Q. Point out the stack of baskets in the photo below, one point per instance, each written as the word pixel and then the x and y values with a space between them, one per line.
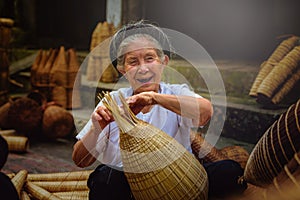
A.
pixel 156 165
pixel 53 73
pixel 99 65
pixel 279 74
pixel 54 186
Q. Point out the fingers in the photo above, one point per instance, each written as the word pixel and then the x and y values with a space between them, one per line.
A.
pixel 101 117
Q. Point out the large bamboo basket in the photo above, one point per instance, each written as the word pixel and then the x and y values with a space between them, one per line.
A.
pixel 6 25
pixel 236 153
pixel 57 122
pixel 266 67
pixel 45 72
pixel 59 70
pixel 275 148
pixel 25 116
pixel 156 165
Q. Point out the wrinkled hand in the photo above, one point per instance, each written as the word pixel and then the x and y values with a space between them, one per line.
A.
pixel 139 101
pixel 101 117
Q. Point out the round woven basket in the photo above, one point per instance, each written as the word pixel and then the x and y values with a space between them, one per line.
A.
pixel 275 148
pixel 25 116
pixel 57 122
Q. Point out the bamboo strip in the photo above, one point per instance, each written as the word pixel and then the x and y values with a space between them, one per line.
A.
pixel 62 186
pixel 61 176
pixel 18 180
pixel 39 193
pixel 24 195
pixel 80 195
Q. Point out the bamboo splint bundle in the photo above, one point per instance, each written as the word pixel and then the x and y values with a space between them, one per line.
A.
pixel 266 67
pixel 280 74
pixel 59 185
pixel 17 143
pixel 155 164
pixel 60 176
pixel 275 148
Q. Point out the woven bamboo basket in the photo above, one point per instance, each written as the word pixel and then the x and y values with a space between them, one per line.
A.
pixel 19 180
pixel 73 90
pixel 39 70
pixel 94 39
pixel 156 165
pixel 287 183
pixel 61 176
pixel 25 116
pixel 59 95
pixel 39 193
pixel 57 122
pixel 17 143
pixel 286 87
pixel 45 72
pixel 3 115
pixel 6 25
pixel 275 148
pixel 279 74
pixel 8 132
pixel 74 195
pixel 62 186
pixel 266 67
pixel 203 150
pixel 236 153
pixel 59 70
pixel 24 195
pixel 110 74
pixel 34 67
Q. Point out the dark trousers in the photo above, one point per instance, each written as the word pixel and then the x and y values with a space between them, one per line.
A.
pixel 111 184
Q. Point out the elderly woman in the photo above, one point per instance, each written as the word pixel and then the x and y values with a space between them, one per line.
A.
pixel 140 52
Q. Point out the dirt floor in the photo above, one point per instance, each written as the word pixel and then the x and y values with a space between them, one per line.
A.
pixel 44 157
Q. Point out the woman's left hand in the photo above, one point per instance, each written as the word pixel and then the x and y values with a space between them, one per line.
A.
pixel 139 101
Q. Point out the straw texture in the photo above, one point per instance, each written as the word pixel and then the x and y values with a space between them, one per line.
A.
pixel 62 186
pixel 19 179
pixel 236 153
pixel 155 164
pixel 17 143
pixel 266 67
pixel 203 150
pixel 24 195
pixel 39 193
pixel 73 195
pixel 275 148
pixel 57 122
pixel 61 176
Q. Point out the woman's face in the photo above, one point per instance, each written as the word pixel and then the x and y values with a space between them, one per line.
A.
pixel 142 66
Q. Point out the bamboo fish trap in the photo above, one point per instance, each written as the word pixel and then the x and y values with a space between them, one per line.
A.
pixel 276 147
pixel 156 165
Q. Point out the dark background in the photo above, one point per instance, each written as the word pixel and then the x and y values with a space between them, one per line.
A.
pixel 227 29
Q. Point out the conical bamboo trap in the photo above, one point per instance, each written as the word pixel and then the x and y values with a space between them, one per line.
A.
pixel 156 165
pixel 275 148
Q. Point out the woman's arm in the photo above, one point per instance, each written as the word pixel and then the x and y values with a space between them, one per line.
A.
pixel 84 150
pixel 198 109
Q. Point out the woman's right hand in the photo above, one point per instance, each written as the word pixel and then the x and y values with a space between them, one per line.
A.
pixel 101 117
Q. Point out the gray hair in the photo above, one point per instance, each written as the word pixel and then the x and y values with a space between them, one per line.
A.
pixel 127 41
